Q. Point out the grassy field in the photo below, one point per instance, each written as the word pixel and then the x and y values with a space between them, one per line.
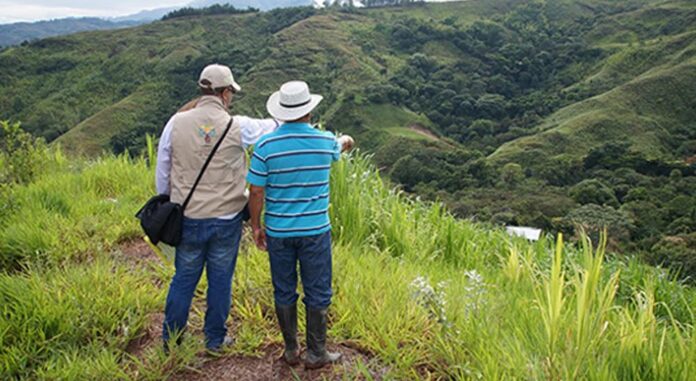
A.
pixel 398 122
pixel 428 296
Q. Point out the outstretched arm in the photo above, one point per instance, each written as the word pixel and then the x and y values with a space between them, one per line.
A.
pixel 254 129
pixel 256 198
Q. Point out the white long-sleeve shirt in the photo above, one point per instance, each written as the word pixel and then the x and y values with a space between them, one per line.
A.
pixel 251 130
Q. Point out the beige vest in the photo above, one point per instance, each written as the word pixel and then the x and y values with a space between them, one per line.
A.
pixel 194 133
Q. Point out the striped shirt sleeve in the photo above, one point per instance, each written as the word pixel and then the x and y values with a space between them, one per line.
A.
pixel 336 149
pixel 258 171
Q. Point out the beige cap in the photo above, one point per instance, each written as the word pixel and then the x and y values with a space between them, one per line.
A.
pixel 217 76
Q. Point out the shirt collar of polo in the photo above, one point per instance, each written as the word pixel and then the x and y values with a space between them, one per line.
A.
pixel 296 126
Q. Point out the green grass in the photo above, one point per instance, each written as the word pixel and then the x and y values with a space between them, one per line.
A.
pixel 397 121
pixel 428 295
pixel 77 209
pixel 93 136
pixel 71 322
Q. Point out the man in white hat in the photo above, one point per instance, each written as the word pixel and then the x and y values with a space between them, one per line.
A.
pixel 212 225
pixel 290 171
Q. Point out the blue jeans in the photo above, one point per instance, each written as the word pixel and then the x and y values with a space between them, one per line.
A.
pixel 314 256
pixel 213 244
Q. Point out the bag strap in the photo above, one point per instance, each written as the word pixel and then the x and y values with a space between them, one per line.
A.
pixel 205 166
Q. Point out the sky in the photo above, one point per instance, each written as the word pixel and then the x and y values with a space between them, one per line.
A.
pixel 34 10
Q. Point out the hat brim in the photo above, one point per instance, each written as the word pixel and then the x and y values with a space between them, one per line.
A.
pixel 290 113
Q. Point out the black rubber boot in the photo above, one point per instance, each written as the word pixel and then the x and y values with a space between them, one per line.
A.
pixel 317 356
pixel 287 319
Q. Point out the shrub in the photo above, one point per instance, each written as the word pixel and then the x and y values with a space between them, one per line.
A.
pixel 593 219
pixel 593 191
pixel 677 252
pixel 511 174
pixel 22 157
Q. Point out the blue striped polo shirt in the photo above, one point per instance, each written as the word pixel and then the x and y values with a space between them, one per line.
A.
pixel 293 165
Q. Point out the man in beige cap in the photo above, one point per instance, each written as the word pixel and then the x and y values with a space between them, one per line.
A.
pixel 290 173
pixel 212 223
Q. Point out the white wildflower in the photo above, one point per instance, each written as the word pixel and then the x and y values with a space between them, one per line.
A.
pixel 475 291
pixel 431 298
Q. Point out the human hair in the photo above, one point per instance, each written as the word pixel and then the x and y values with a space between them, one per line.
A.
pixel 206 88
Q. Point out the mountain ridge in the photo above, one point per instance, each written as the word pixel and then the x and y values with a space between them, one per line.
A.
pixel 19 32
pixel 16 33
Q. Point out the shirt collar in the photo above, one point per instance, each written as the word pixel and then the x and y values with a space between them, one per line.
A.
pixel 296 126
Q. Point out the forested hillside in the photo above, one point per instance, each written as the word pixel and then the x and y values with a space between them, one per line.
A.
pixel 555 114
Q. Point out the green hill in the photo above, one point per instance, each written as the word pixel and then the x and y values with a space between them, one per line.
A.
pixel 525 113
pixel 461 54
pixel 651 110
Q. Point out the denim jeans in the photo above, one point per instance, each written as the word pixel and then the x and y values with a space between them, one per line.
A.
pixel 213 244
pixel 314 256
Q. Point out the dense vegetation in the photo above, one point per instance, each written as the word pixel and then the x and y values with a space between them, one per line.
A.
pixel 428 295
pixel 217 9
pixel 555 114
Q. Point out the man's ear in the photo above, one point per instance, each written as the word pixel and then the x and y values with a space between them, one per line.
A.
pixel 227 96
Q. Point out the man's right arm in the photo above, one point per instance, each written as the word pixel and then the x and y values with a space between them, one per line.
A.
pixel 164 160
pixel 254 129
pixel 256 198
pixel 257 178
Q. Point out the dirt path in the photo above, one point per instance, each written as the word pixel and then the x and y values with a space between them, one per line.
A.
pixel 269 366
pixel 266 367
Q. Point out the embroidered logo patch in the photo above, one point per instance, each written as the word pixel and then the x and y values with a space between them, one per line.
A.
pixel 207 133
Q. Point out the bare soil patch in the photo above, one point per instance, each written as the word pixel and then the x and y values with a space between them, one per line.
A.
pixel 137 251
pixel 270 367
pixel 151 335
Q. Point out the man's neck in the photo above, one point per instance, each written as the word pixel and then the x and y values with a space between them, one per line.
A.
pixel 296 124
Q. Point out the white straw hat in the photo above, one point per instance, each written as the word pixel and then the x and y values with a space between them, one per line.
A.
pixel 292 102
pixel 216 77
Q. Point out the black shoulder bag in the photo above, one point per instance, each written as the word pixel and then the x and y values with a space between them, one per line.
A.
pixel 162 219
